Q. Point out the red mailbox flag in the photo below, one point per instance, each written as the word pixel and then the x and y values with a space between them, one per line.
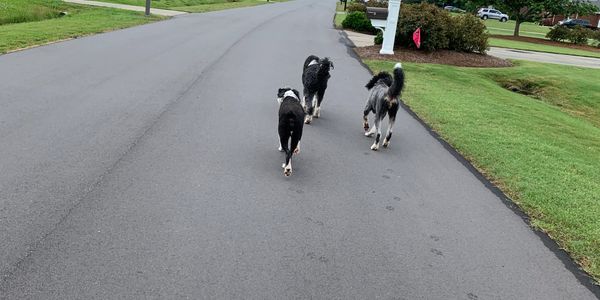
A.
pixel 417 37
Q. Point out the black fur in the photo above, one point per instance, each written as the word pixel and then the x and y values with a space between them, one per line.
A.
pixel 291 122
pixel 385 78
pixel 314 79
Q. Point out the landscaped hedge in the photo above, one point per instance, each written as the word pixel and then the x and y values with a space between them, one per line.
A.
pixel 358 21
pixel 577 35
pixel 440 30
pixel 355 6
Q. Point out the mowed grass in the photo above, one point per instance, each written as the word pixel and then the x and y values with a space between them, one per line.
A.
pixel 80 21
pixel 507 28
pixel 18 11
pixel 340 15
pixel 196 6
pixel 543 152
pixel 497 42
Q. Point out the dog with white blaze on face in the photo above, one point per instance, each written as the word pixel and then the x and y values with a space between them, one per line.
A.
pixel 315 75
pixel 383 99
pixel 291 122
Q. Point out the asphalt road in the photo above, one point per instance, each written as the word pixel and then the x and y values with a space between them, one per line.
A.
pixel 143 163
pixel 569 60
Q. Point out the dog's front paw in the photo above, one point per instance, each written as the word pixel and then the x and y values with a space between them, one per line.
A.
pixel 386 143
pixel 287 172
pixel 369 133
pixel 308 119
pixel 375 147
pixel 317 113
pixel 366 127
pixel 297 150
pixel 280 149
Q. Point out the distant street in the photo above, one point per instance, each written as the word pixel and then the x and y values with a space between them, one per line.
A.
pixel 143 163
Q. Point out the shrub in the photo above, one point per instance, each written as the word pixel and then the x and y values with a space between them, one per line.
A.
pixel 377 3
pixel 467 33
pixel 358 21
pixel 434 24
pixel 596 36
pixel 579 35
pixel 378 38
pixel 558 33
pixel 355 6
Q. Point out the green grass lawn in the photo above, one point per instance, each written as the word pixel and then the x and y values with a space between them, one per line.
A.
pixel 340 15
pixel 196 6
pixel 496 42
pixel 80 21
pixel 543 152
pixel 507 28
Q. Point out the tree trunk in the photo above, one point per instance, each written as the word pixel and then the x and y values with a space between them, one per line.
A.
pixel 517 26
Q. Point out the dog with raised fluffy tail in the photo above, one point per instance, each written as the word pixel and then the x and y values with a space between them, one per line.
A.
pixel 291 121
pixel 315 75
pixel 383 99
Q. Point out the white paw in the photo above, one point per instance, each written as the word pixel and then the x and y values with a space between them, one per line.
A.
pixel 280 149
pixel 308 119
pixel 375 147
pixel 297 151
pixel 317 113
pixel 386 143
pixel 283 166
pixel 287 172
pixel 369 133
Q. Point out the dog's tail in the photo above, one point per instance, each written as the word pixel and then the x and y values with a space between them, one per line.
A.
pixel 310 59
pixel 398 84
pixel 383 76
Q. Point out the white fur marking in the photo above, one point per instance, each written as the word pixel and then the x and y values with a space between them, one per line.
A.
pixel 313 62
pixel 398 66
pixel 290 94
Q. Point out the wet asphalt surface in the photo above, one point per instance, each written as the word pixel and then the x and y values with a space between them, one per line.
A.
pixel 143 163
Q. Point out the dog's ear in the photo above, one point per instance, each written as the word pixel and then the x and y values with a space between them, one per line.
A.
pixel 296 93
pixel 281 92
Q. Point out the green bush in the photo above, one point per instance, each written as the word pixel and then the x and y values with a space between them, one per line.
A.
pixel 378 38
pixel 358 21
pixel 355 6
pixel 467 33
pixel 596 36
pixel 377 3
pixel 434 24
pixel 579 35
pixel 558 33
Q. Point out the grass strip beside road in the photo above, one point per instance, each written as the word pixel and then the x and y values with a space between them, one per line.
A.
pixel 195 6
pixel 80 21
pixel 542 151
pixel 498 42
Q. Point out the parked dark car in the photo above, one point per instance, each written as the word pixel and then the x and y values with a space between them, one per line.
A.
pixel 577 22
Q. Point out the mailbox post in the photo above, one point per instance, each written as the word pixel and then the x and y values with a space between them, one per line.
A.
pixel 148 7
pixel 386 20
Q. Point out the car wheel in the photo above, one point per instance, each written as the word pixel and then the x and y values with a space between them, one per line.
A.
pixel 503 20
pixel 484 17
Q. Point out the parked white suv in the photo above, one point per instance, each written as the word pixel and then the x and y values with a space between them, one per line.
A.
pixel 490 13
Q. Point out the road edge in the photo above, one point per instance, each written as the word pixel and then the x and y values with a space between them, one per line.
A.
pixel 570 264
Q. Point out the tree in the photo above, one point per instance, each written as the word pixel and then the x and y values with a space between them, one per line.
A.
pixel 534 10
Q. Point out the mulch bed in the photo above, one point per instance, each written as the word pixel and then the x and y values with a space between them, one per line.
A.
pixel 546 42
pixel 445 57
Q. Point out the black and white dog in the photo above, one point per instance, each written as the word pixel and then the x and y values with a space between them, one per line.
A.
pixel 291 121
pixel 315 75
pixel 383 99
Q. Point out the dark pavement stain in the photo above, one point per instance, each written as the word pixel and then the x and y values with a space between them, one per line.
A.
pixel 314 221
pixel 434 237
pixel 367 153
pixel 389 207
pixel 397 198
pixel 472 296
pixel 386 176
pixel 390 170
pixel 323 259
pixel 437 252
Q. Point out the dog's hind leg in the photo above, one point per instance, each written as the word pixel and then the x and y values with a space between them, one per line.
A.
pixel 366 119
pixel 377 128
pixel 319 99
pixel 309 108
pixel 393 110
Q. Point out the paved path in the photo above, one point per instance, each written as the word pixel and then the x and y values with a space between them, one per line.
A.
pixel 143 163
pixel 562 59
pixel 155 11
